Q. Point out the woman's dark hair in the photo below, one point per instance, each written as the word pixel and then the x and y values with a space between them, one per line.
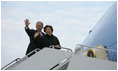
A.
pixel 47 27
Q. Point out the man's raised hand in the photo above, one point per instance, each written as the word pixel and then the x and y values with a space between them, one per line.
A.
pixel 26 22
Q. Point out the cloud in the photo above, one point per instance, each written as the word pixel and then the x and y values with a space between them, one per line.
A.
pixel 12 41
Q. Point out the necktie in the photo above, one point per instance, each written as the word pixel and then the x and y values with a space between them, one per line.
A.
pixel 40 35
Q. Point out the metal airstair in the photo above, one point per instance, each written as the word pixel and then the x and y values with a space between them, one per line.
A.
pixel 45 59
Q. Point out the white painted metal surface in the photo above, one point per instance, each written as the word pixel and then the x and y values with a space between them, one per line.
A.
pixel 45 59
pixel 81 62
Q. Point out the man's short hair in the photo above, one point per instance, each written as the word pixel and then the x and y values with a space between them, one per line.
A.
pixel 39 22
pixel 47 27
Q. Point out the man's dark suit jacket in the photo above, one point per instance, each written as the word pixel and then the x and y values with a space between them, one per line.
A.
pixel 32 45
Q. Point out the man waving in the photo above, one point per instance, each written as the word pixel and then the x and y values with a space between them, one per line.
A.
pixel 33 34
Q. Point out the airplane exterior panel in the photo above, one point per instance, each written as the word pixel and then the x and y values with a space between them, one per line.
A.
pixel 105 32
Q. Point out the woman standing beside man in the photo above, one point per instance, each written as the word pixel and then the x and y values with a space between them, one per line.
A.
pixel 48 39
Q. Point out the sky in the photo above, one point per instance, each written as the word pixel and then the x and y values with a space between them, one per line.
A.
pixel 71 20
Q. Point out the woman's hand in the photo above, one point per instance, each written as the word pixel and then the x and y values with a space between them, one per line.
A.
pixel 57 46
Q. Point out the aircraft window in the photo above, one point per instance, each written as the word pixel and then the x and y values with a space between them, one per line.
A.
pixel 90 31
